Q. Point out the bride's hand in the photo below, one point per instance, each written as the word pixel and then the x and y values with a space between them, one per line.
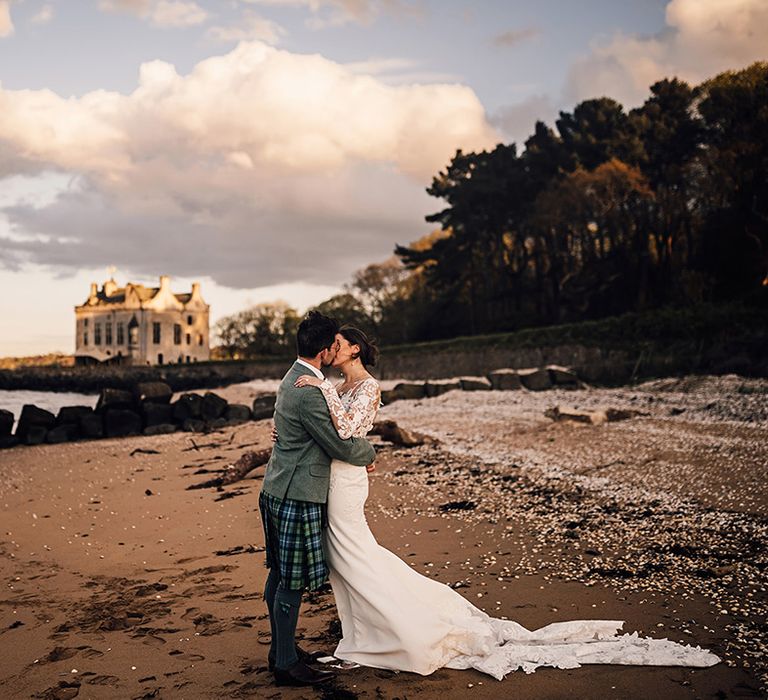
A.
pixel 273 434
pixel 307 380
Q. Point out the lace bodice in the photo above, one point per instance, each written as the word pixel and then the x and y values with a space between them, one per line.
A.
pixel 355 410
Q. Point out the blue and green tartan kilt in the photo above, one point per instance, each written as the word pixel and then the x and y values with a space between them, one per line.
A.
pixel 293 541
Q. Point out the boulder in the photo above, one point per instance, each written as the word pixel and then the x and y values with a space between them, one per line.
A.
pixel 114 399
pixel 436 387
pixel 187 406
pixel 535 379
pixel 154 392
pixel 193 425
pixel 213 406
pixel 160 429
pixel 216 423
pixel 63 433
pixel 6 422
pixel 475 384
pixel 71 415
pixel 237 413
pixel 505 380
pixel 34 417
pixel 388 396
pixel 92 426
pixel 35 435
pixel 264 406
pixel 120 422
pixel 156 413
pixel 8 441
pixel 410 390
pixel 563 376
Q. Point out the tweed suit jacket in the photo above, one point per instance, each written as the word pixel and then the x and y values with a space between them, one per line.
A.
pixel 300 465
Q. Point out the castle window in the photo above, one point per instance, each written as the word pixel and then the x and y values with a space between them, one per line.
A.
pixel 160 356
pixel 85 323
pixel 97 333
pixel 85 337
pixel 189 320
pixel 177 334
pixel 120 333
pixel 189 338
pixel 108 333
pixel 156 337
pixel 200 339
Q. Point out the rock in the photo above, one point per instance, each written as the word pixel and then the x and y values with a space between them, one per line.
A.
pixel 34 417
pixel 92 426
pixel 389 430
pixel 535 379
pixel 71 415
pixel 216 423
pixel 121 422
pixel 63 433
pixel 193 425
pixel 436 387
pixel 6 422
pixel 410 390
pixel 156 413
pixel 457 505
pixel 388 396
pixel 187 406
pixel 563 376
pixel 160 429
pixel 34 435
pixel 154 392
pixel 475 384
pixel 264 406
pixel 213 406
pixel 237 413
pixel 8 441
pixel 505 380
pixel 114 399
pixel 559 413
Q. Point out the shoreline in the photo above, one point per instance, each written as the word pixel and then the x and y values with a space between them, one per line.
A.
pixel 116 571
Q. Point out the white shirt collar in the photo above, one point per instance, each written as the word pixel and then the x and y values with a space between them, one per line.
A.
pixel 315 370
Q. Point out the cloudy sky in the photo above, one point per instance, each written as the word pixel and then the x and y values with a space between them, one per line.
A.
pixel 269 148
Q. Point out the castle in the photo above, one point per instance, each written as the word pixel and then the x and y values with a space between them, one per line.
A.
pixel 141 325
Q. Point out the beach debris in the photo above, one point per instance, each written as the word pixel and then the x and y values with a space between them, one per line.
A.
pixel 239 549
pixel 233 473
pixel 390 431
pixel 596 417
pixel 457 505
pixel 143 451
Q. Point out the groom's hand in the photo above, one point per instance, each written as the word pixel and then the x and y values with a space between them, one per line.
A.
pixel 371 467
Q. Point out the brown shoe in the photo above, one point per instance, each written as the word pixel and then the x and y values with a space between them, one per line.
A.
pixel 300 674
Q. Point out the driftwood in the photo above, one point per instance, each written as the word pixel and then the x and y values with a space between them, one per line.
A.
pixel 239 470
pixel 391 432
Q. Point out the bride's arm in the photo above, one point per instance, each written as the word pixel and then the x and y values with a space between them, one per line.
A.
pixel 364 405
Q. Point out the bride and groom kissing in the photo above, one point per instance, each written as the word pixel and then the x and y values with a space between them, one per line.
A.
pixel 312 507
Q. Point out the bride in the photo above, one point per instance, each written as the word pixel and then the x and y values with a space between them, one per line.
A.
pixel 394 618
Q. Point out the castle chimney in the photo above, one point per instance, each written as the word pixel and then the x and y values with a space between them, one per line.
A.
pixel 165 282
pixel 94 290
pixel 110 287
pixel 195 289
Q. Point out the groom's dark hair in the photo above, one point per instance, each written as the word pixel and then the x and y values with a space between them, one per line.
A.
pixel 316 332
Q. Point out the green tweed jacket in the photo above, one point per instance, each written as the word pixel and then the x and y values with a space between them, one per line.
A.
pixel 300 465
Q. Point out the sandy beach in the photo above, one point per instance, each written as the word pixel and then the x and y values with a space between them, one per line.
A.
pixel 120 582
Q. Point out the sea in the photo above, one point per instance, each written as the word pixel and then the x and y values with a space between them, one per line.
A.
pixel 13 400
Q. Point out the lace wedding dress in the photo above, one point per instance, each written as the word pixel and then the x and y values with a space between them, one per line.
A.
pixel 394 618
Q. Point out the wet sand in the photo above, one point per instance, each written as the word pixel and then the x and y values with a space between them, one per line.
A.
pixel 121 583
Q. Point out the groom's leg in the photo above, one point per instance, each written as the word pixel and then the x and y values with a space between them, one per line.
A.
pixel 286 614
pixel 270 589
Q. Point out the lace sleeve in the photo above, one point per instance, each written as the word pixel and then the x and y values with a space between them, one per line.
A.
pixel 362 409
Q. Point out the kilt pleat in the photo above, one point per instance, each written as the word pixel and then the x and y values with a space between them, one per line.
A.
pixel 293 541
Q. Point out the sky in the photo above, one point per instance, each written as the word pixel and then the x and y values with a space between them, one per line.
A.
pixel 271 148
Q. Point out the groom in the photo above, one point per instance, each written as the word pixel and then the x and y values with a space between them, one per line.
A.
pixel 294 495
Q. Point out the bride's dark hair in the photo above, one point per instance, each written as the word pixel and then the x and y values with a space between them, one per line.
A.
pixel 369 351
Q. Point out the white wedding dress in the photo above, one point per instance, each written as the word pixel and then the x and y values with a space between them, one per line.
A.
pixel 394 618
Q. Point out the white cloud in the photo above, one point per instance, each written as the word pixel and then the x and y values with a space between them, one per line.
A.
pixel 160 13
pixel 327 13
pixel 251 26
pixel 44 15
pixel 6 23
pixel 258 167
pixel 703 37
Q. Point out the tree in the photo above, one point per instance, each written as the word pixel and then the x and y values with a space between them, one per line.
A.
pixel 264 329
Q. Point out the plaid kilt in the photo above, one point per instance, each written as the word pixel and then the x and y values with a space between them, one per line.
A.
pixel 293 541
